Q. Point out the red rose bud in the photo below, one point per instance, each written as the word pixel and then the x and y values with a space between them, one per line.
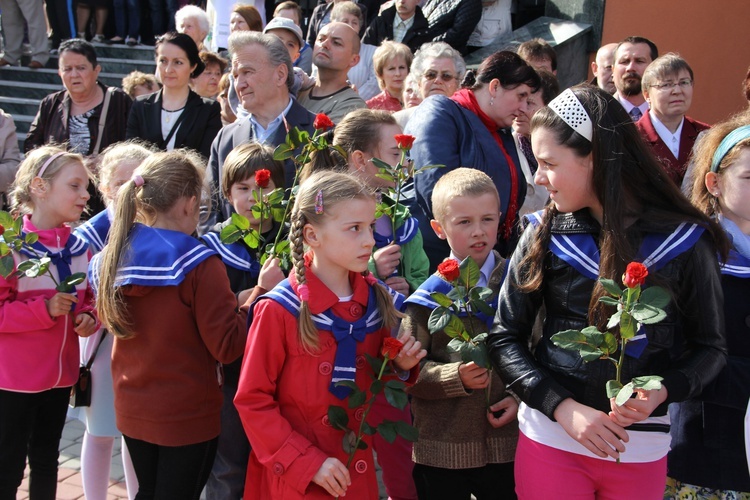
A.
pixel 449 270
pixel 391 348
pixel 635 274
pixel 2 229
pixel 404 141
pixel 262 177
pixel 322 122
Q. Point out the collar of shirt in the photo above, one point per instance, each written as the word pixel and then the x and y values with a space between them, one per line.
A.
pixel 629 105
pixel 400 27
pixel 671 140
pixel 262 134
pixel 485 271
pixel 322 298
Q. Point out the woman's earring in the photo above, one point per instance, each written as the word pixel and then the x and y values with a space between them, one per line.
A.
pixel 492 101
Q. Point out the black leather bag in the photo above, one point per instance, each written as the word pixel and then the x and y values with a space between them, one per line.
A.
pixel 80 393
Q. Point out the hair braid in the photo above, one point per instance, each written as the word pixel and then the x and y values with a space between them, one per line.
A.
pixel 308 332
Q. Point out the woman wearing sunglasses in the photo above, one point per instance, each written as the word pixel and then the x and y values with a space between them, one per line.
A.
pixel 470 128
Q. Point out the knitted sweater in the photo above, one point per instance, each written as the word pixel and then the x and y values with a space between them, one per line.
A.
pixel 453 429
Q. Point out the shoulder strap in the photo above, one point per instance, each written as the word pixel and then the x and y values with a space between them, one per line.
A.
pixel 102 120
pixel 93 354
pixel 175 126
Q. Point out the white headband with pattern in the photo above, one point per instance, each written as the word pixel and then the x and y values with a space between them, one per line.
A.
pixel 569 108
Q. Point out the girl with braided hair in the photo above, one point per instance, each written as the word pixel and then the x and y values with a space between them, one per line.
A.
pixel 313 330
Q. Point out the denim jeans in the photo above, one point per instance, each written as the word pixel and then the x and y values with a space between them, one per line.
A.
pixel 31 423
pixel 127 18
pixel 171 471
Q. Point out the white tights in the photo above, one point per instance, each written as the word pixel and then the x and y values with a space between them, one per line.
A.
pixel 96 457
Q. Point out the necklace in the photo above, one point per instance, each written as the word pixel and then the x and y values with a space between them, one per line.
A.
pixel 168 116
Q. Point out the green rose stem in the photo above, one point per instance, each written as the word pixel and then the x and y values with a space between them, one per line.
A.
pixel 370 401
pixel 260 219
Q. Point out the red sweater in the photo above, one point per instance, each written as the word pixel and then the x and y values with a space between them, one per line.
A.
pixel 166 377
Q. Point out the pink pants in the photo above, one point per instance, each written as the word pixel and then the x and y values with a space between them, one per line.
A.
pixel 543 472
pixel 394 459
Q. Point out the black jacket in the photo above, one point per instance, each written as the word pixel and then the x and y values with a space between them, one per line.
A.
pixel 452 21
pixel 197 130
pixel 382 29
pixel 688 348
pixel 320 13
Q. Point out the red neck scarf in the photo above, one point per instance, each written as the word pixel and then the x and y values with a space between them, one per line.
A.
pixel 466 99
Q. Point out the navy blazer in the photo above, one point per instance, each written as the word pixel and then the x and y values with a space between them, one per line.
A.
pixel 675 167
pixel 447 134
pixel 232 136
pixel 197 130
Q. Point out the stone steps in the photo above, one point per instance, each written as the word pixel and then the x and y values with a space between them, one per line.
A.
pixel 28 90
pixel 123 66
pixel 50 76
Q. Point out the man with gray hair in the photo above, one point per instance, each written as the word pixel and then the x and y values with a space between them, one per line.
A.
pixel 263 77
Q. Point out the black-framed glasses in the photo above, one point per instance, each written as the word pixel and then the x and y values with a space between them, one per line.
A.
pixel 685 83
pixel 433 75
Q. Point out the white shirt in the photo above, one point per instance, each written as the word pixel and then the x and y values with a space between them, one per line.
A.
pixel 485 271
pixel 628 105
pixel 261 134
pixel 671 140
pixel 168 119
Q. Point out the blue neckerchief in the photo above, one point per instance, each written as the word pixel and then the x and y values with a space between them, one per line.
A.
pixel 740 240
pixel 62 259
pixel 95 231
pixel 435 283
pixel 236 255
pixel 657 249
pixel 155 257
pixel 347 334
pixel 736 265
pixel 404 234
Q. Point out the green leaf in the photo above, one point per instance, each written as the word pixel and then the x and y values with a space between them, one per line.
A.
pixel 6 265
pixel 386 177
pixel 257 211
pixel 614 320
pixel 240 221
pixel 647 382
pixel 577 341
pixel 441 299
pixel 4 248
pixel 396 398
pixel 347 383
pixel 483 307
pixel 6 219
pixel 590 353
pixel 593 336
pixel 382 166
pixel 480 337
pixel 455 327
pixel 469 273
pixel 368 430
pixel 338 417
pixel 655 296
pixel 611 287
pixel 31 238
pixel 610 343
pixel 396 385
pixel 388 431
pixel 252 238
pixel 406 431
pixel 624 394
pixel 357 398
pixel 376 387
pixel 68 284
pixel 480 293
pixel 375 363
pixel 439 319
pixel 627 326
pixel 647 314
pixel 613 388
pixel 426 167
pixel 230 234
pixel 283 152
pixel 609 301
pixel 633 294
pixel 17 225
pixel 479 355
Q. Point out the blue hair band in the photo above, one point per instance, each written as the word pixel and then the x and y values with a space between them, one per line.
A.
pixel 731 140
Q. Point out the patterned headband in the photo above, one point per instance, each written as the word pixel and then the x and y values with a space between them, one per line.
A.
pixel 569 108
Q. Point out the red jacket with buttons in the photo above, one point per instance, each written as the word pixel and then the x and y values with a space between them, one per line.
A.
pixel 283 399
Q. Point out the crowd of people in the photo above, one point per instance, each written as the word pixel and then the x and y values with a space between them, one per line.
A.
pixel 217 366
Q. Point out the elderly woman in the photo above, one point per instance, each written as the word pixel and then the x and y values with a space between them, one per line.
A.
pixel 438 68
pixel 86 115
pixel 668 88
pixel 465 131
pixel 194 22
pixel 207 83
pixel 176 117
pixel 411 96
pixel 392 61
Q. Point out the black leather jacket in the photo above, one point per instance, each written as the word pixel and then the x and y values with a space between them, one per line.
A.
pixel 687 348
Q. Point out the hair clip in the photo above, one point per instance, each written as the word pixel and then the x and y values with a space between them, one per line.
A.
pixel 49 162
pixel 319 202
pixel 304 292
pixel 138 180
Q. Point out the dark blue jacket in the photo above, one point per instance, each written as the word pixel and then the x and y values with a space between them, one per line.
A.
pixel 447 134
pixel 708 443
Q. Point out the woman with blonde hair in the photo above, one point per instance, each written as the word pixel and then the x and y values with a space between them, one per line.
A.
pixel 391 61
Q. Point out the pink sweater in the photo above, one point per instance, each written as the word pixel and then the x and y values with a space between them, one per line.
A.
pixel 38 352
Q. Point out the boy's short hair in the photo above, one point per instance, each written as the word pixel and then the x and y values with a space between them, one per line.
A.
pixel 537 49
pixel 460 182
pixel 246 159
pixel 289 5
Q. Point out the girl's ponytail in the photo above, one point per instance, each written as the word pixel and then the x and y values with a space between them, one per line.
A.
pixel 388 311
pixel 109 304
pixel 532 265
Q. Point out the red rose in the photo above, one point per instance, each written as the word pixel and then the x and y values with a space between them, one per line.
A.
pixel 262 177
pixel 635 274
pixel 404 141
pixel 2 229
pixel 449 270
pixel 391 348
pixel 322 122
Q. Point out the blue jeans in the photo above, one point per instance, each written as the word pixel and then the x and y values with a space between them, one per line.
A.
pixel 171 471
pixel 227 480
pixel 31 423
pixel 162 21
pixel 127 18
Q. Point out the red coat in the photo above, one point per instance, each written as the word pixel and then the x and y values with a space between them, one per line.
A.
pixel 385 101
pixel 283 398
pixel 675 167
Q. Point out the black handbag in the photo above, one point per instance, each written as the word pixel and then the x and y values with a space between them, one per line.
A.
pixel 80 393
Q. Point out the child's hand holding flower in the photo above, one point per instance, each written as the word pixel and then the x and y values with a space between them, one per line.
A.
pixel 408 351
pixel 85 325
